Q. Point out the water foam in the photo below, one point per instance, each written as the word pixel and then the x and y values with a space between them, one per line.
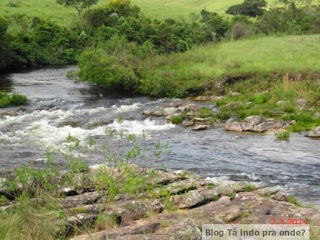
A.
pixel 139 127
pixel 126 108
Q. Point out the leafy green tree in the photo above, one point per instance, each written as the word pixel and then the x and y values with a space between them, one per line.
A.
pixel 5 54
pixel 79 5
pixel 251 8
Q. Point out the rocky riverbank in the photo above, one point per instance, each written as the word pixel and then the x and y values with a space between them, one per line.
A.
pixel 200 113
pixel 174 206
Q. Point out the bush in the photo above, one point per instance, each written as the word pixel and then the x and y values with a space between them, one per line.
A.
pixel 114 64
pixel 18 99
pixel 283 136
pixel 214 26
pixel 37 42
pixel 177 119
pixel 290 19
pixel 14 99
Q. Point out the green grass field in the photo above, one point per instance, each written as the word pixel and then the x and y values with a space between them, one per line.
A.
pixel 264 71
pixel 264 56
pixel 49 9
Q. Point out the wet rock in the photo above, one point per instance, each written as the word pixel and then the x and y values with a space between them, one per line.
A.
pixel 9 113
pixel 314 133
pixel 202 98
pixel 203 121
pixel 301 103
pixel 200 127
pixel 155 113
pixel 189 107
pixel 82 199
pixel 187 123
pixel 267 126
pixel 254 120
pixel 207 98
pixel 234 126
pixel 169 111
pixel 257 124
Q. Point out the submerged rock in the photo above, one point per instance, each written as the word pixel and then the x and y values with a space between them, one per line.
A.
pixel 233 126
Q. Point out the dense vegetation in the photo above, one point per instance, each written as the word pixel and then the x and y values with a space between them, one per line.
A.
pixel 12 100
pixel 154 72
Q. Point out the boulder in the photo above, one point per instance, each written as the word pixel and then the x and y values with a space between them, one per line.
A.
pixel 256 124
pixel 154 113
pixel 202 98
pixel 254 120
pixel 233 126
pixel 314 133
pixel 188 107
pixel 169 111
pixel 187 123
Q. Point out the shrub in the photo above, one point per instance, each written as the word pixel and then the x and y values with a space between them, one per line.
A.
pixel 114 64
pixel 290 19
pixel 18 99
pixel 214 26
pixel 14 99
pixel 177 119
pixel 283 136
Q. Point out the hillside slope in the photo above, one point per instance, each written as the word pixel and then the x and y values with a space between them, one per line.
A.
pixel 151 8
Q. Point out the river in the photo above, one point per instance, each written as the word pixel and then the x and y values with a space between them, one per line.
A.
pixel 59 107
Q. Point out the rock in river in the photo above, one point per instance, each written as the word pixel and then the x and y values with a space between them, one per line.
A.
pixel 314 133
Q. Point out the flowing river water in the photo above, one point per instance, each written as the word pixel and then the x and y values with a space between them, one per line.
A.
pixel 59 107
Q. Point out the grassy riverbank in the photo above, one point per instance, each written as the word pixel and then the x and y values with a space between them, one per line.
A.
pixel 262 59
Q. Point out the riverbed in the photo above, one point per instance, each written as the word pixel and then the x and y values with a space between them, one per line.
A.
pixel 59 107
